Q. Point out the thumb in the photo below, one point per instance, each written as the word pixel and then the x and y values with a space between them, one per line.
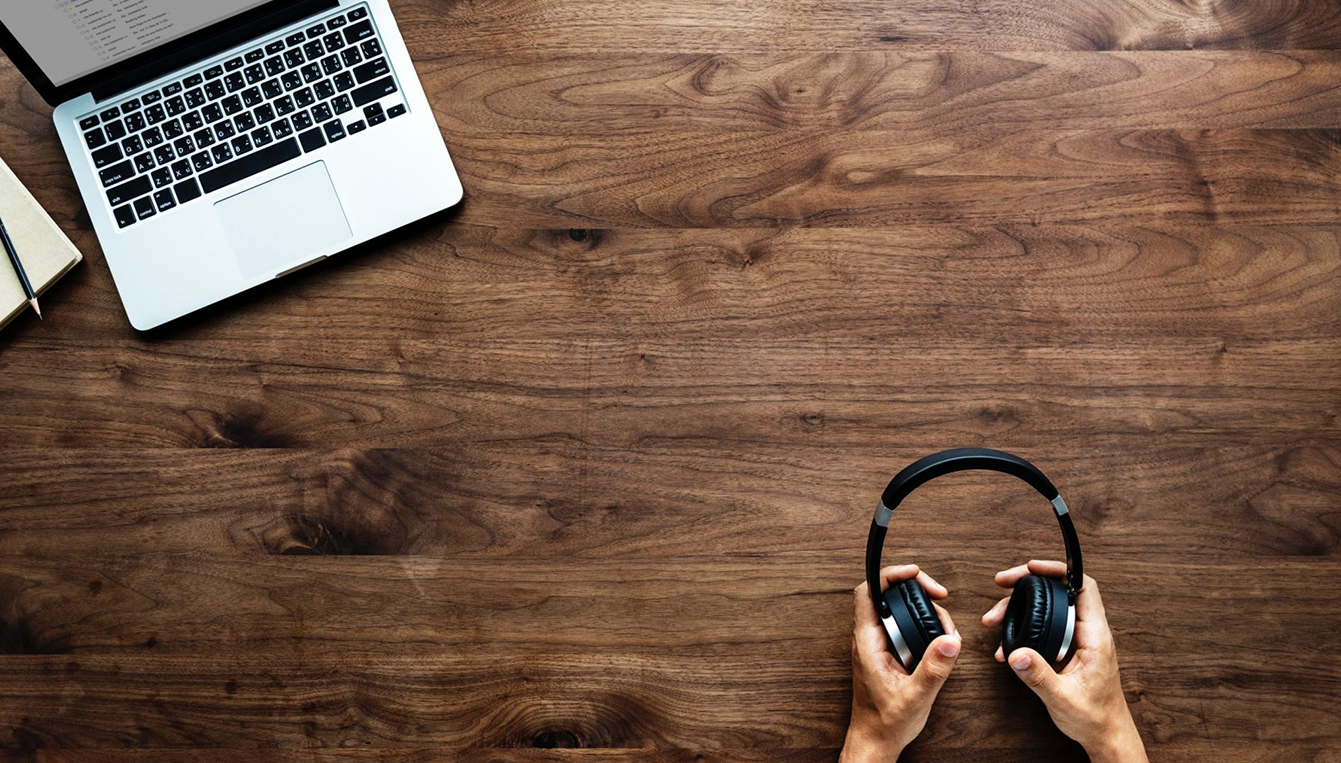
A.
pixel 937 663
pixel 1035 671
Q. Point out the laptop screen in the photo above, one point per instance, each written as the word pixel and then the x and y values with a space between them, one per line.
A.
pixel 71 38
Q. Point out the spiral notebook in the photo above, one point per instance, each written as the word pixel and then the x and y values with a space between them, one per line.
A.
pixel 46 252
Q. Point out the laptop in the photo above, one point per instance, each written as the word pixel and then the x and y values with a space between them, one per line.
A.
pixel 219 145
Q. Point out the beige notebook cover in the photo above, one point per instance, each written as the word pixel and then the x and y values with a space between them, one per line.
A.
pixel 45 251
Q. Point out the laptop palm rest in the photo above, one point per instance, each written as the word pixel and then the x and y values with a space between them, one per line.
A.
pixel 285 222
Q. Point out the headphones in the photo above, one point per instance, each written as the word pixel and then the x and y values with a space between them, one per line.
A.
pixel 1042 610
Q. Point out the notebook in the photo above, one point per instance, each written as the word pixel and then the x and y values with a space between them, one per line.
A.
pixel 46 252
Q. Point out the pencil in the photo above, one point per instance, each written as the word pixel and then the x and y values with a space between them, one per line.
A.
pixel 18 268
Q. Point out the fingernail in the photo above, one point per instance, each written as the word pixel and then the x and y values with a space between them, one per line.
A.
pixel 1020 661
pixel 949 647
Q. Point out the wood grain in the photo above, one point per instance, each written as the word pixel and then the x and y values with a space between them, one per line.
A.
pixel 581 471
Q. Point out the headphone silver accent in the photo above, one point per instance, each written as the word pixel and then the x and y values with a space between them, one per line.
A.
pixel 882 514
pixel 1070 632
pixel 1059 506
pixel 900 646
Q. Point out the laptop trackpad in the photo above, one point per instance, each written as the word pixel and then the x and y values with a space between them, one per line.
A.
pixel 284 223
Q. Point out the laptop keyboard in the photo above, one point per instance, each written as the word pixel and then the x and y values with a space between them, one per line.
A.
pixel 289 96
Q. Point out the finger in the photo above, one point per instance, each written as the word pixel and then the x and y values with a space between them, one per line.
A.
pixel 1036 673
pixel 995 616
pixel 1089 604
pixel 868 636
pixel 1047 568
pixel 1000 654
pixel 947 622
pixel 893 575
pixel 936 665
pixel 934 589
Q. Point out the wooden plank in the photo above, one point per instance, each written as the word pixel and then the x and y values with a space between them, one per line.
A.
pixel 430 392
pixel 177 604
pixel 906 286
pixel 606 699
pixel 672 494
pixel 439 27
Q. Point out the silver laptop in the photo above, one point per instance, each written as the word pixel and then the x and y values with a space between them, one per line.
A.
pixel 222 144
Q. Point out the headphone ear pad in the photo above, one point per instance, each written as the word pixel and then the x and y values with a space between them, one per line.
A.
pixel 1032 617
pixel 911 609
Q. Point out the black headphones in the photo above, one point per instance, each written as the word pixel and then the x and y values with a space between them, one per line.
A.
pixel 1042 611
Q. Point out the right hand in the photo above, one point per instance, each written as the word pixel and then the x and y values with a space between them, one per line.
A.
pixel 1085 699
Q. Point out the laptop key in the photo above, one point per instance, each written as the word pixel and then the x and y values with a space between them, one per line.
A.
pixel 125 216
pixel 184 147
pixel 252 164
pixel 284 106
pixel 312 139
pixel 262 137
pixel 193 121
pixel 128 191
pixel 330 65
pixel 145 208
pixel 255 55
pixel 358 13
pixel 202 161
pixel 212 113
pixel 233 65
pixel 314 50
pixel 357 128
pixel 292 81
pixel 322 112
pixel 214 72
pixel 107 154
pixel 204 138
pixel 172 89
pixel 187 191
pixel 337 22
pixel 182 170
pixel 195 98
pixel 316 31
pixel 153 97
pixel 305 97
pixel 144 162
pixel 396 111
pixel 234 82
pixel 272 89
pixel 117 173
pixel 379 89
pixel 251 97
pixel 333 41
pixel 294 58
pixel 372 70
pixel 175 105
pixel 173 129
pixel 95 139
pixel 334 130
pixel 324 89
pixel 164 201
pixel 352 56
pixel 275 47
pixel 115 130
pixel 164 155
pixel 360 31
pixel 282 129
pixel 215 90
pixel 371 48
pixel 162 177
pixel 255 73
pixel 311 73
pixel 224 130
pixel 89 123
pixel 297 38
pixel 244 121
pixel 155 114
pixel 342 104
pixel 152 137
pixel 241 145
pixel 232 105
pixel 273 66
pixel 110 114
pixel 135 122
pixel 132 105
pixel 195 80
pixel 221 153
pixel 301 121
pixel 344 81
pixel 264 113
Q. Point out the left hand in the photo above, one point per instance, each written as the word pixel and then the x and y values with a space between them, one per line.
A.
pixel 889 706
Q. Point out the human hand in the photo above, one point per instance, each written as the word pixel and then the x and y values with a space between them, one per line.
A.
pixel 1085 699
pixel 889 706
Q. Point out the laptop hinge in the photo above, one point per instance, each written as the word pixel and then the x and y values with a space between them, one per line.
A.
pixel 201 45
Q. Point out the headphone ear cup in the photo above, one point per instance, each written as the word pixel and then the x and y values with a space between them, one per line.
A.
pixel 1036 617
pixel 916 619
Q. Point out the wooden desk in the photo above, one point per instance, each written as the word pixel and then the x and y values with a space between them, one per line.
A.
pixel 589 463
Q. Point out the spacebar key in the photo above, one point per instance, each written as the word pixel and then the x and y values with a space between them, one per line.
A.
pixel 251 164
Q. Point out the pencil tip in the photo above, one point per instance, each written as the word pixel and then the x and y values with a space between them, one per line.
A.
pixel 36 309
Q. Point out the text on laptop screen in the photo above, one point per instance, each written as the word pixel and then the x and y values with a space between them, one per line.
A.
pixel 72 38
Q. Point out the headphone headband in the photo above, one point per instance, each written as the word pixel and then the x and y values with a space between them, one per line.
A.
pixel 945 462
